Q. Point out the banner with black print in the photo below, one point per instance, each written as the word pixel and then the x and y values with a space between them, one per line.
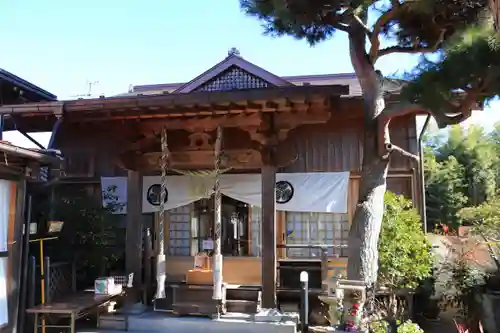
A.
pixel 322 192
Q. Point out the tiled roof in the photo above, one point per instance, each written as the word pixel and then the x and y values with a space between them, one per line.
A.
pixel 15 80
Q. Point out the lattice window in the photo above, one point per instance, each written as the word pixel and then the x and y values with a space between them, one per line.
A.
pixel 180 221
pixel 232 79
pixel 255 235
pixel 316 228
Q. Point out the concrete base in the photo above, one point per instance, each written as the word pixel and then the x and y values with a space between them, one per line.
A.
pixel 156 322
pixel 325 329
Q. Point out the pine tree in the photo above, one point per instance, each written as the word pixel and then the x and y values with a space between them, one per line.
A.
pixel 465 73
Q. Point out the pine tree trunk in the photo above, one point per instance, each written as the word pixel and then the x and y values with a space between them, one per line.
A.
pixel 367 221
pixel 494 6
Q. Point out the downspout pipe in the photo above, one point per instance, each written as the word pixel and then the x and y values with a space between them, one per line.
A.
pixel 421 173
pixel 1 127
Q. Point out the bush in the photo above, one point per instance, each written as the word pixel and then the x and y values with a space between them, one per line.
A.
pixel 405 260
pixel 405 257
pixel 91 234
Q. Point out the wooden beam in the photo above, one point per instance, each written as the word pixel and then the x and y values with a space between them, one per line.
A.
pixel 133 248
pixel 243 159
pixel 268 230
pixel 208 123
pixel 268 236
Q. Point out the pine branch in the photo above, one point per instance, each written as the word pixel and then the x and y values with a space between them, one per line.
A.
pixel 389 147
pixel 410 50
pixel 377 29
pixel 368 32
pixel 342 27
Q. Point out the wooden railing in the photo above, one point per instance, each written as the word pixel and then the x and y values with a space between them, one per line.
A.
pixel 325 266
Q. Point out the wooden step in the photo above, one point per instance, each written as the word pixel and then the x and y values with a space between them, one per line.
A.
pixel 246 293
pixel 208 309
pixel 242 306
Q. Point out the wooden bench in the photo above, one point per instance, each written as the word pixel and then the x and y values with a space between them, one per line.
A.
pixel 73 307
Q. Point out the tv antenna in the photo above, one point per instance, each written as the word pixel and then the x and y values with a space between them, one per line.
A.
pixel 90 84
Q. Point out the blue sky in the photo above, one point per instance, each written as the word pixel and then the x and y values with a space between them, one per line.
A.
pixel 60 45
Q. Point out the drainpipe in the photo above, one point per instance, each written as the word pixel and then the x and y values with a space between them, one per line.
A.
pixel 1 127
pixel 423 212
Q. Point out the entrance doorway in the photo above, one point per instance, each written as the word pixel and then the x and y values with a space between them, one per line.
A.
pixel 235 221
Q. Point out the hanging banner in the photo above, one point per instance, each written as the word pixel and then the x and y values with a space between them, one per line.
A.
pixel 181 190
pixel 114 194
pixel 322 192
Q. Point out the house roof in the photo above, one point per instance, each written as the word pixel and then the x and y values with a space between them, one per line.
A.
pixel 346 79
pixel 37 93
pixel 175 105
pixel 230 84
pixel 15 156
pixel 235 60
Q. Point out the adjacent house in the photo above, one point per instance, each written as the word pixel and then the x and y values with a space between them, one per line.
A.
pixel 18 166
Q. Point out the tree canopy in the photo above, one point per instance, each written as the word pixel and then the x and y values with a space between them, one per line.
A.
pixel 460 31
pixel 462 74
pixel 461 170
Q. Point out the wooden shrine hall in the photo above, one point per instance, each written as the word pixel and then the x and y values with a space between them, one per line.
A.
pixel 239 174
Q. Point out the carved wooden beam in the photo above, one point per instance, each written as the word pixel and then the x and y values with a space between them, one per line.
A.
pixel 283 123
pixel 201 159
pixel 206 124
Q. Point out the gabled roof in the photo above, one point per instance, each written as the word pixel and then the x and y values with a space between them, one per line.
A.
pixel 233 60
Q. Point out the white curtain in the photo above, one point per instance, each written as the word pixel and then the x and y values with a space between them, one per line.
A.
pixel 181 191
pixel 5 197
pixel 322 192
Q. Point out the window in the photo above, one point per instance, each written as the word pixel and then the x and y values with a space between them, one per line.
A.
pixel 6 197
pixel 179 220
pixel 316 228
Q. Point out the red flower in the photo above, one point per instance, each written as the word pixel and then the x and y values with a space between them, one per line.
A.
pixel 355 306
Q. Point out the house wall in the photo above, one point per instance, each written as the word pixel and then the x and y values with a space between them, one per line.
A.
pixel 12 210
pixel 338 145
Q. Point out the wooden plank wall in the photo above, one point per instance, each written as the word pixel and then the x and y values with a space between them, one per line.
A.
pixel 337 146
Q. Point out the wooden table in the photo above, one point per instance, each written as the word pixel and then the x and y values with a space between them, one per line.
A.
pixel 76 306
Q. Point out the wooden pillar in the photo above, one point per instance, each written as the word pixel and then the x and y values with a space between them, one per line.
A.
pixel 268 231
pixel 133 248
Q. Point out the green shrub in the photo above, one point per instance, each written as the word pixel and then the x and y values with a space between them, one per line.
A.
pixel 409 327
pixel 405 256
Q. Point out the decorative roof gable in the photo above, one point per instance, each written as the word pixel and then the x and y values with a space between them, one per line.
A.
pixel 234 72
pixel 234 78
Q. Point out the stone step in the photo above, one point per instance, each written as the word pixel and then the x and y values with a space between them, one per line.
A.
pixel 113 321
pixel 118 320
